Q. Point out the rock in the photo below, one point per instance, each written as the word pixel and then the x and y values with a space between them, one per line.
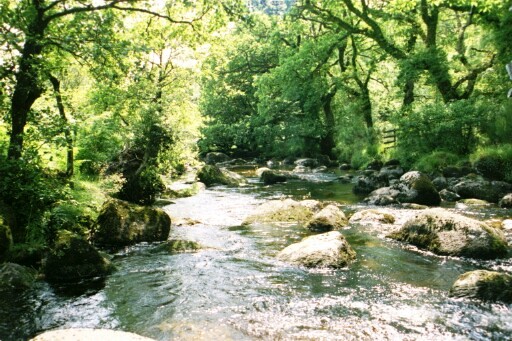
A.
pixel 366 184
pixel 121 223
pixel 373 216
pixel 329 250
pixel 301 169
pixel 464 203
pixel 450 196
pixel 307 162
pixel 290 160
pixel 446 233
pixel 345 167
pixel 491 191
pixel 213 175
pixel 183 190
pixel 375 165
pixel 420 189
pixel 440 183
pixel 178 246
pixel 270 177
pixel 216 157
pixel 288 210
pixel 506 201
pixel 16 277
pixel 484 285
pixel 73 259
pixel 388 173
pixel 345 179
pixel 383 196
pixel 5 240
pixel 82 334
pixel 260 171
pixel 328 219
pixel 320 169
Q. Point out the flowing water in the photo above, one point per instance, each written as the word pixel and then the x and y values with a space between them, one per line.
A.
pixel 235 289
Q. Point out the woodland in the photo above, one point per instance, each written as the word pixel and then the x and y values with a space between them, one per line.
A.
pixel 114 97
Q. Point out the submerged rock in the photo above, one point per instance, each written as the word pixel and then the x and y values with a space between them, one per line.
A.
pixel 73 259
pixel 328 219
pixel 212 175
pixel 121 223
pixel 484 285
pixel 287 210
pixel 446 233
pixel 271 177
pixel 178 246
pixel 16 277
pixel 326 250
pixel 83 334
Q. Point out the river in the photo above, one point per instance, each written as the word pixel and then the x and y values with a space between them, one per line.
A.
pixel 235 289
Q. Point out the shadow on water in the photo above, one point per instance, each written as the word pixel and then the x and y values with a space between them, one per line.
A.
pixel 235 289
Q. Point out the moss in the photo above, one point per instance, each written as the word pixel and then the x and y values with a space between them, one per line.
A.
pixel 178 246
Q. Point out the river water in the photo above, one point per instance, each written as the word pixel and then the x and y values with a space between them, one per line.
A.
pixel 235 289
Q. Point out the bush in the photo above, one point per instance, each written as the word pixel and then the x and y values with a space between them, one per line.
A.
pixel 142 188
pixel 436 162
pixel 494 162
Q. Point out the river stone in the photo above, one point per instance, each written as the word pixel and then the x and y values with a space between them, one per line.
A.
pixel 307 162
pixel 178 246
pixel 287 210
pixel 83 334
pixel 216 157
pixel 491 191
pixel 506 201
pixel 16 277
pixel 212 175
pixel 484 285
pixel 326 250
pixel 5 240
pixel 121 223
pixel 448 195
pixel 447 233
pixel 420 190
pixel 73 259
pixel 271 177
pixel 328 219
pixel 372 216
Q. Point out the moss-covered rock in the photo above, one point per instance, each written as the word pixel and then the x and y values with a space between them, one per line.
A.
pixel 121 223
pixel 372 216
pixel 328 219
pixel 491 191
pixel 216 157
pixel 446 233
pixel 420 190
pixel 287 211
pixel 5 240
pixel 484 285
pixel 271 177
pixel 212 175
pixel 73 259
pixel 16 277
pixel 326 250
pixel 178 246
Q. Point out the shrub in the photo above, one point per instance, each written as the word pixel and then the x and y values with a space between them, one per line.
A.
pixel 494 162
pixel 436 161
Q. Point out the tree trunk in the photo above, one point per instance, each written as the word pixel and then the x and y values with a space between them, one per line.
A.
pixel 327 143
pixel 67 131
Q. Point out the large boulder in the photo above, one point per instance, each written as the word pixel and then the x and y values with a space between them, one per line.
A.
pixel 212 175
pixel 447 233
pixel 506 201
pixel 16 277
pixel 328 219
pixel 383 196
pixel 5 240
pixel 329 250
pixel 418 189
pixel 484 285
pixel 73 259
pixel 284 211
pixel 121 223
pixel 83 334
pixel 216 157
pixel 491 191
